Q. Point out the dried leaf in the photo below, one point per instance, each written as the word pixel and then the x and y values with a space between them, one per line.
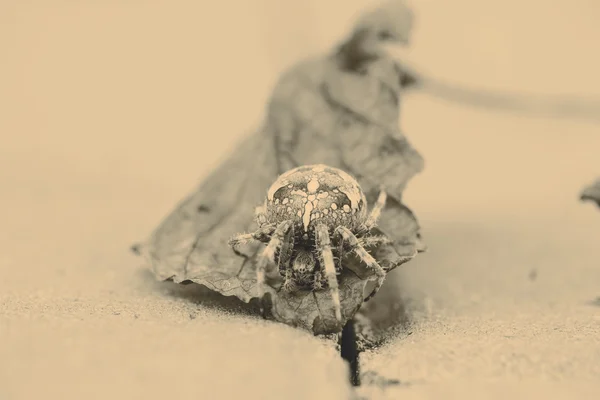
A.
pixel 326 110
pixel 314 311
pixel 592 193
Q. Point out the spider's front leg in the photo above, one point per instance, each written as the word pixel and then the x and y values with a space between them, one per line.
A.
pixel 373 241
pixel 348 237
pixel 268 254
pixel 262 234
pixel 260 215
pixel 285 256
pixel 375 212
pixel 323 242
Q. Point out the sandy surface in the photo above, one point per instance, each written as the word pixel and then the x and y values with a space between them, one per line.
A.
pixel 110 114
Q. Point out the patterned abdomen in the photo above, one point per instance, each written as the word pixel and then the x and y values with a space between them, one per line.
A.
pixel 316 193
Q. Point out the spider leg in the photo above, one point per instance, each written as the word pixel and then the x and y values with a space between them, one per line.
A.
pixel 261 234
pixel 340 253
pixel 317 280
pixel 376 211
pixel 285 255
pixel 324 247
pixel 288 283
pixel 268 254
pixel 368 259
pixel 371 241
pixel 260 215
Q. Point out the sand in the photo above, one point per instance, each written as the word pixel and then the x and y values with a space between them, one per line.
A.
pixel 111 114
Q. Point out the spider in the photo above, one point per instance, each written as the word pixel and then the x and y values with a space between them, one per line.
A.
pixel 311 216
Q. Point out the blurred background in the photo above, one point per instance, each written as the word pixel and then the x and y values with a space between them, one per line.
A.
pixel 141 98
pixel 112 111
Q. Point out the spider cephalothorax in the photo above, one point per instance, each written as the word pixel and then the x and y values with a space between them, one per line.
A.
pixel 311 216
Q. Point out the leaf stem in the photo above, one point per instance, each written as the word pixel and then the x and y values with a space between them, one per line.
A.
pixel 349 351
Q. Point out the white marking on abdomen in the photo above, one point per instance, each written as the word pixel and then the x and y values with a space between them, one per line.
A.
pixel 312 186
pixel 308 207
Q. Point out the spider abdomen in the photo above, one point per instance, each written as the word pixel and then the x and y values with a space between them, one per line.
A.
pixel 314 194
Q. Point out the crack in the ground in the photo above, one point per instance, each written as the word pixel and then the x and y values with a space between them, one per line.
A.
pixel 349 351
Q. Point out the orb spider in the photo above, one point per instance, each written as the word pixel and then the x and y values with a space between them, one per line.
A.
pixel 311 217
